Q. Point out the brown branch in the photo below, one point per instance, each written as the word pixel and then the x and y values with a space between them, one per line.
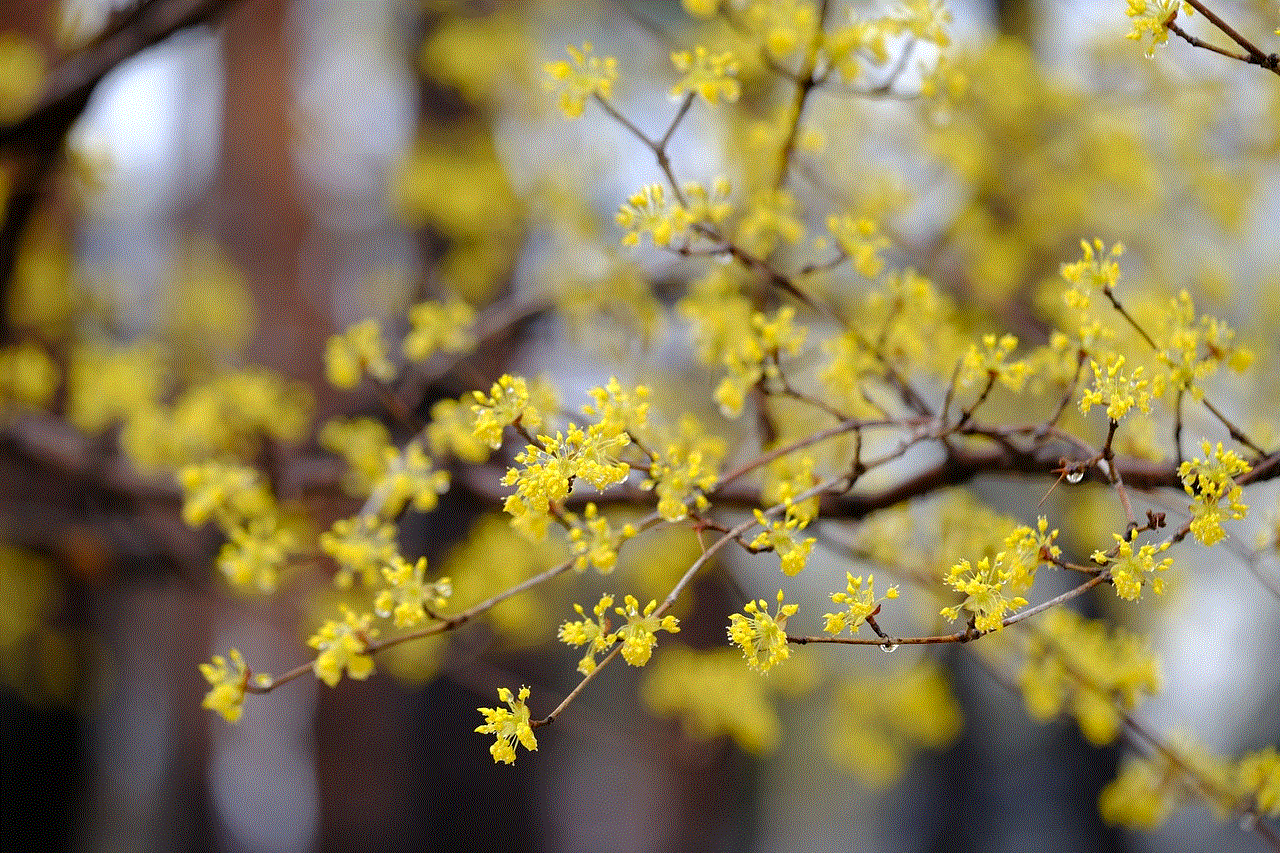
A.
pixel 41 134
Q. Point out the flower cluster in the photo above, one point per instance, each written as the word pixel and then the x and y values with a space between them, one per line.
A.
pixel 780 537
pixel 638 635
pixel 755 356
pixel 762 636
pixel 343 645
pixel 860 239
pixel 984 588
pixel 859 604
pixel 990 362
pixel 592 633
pixel 1193 347
pixel 1209 481
pixel 355 352
pixel 1086 668
pixel 360 546
pixel 1097 271
pixel 510 724
pixel 684 469
pixel 1131 569
pixel 439 327
pixel 593 540
pixel 1151 20
pixel 409 598
pixel 583 76
pixel 228 680
pixel 710 75
pixel 409 475
pixel 1112 388
pixel 508 402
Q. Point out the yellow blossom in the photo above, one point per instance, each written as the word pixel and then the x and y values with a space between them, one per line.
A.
pixel 860 239
pixel 28 377
pixel 780 537
pixel 228 680
pixel 859 604
pixel 649 212
pixel 358 350
pixel 711 75
pixel 439 327
pixel 991 361
pixel 639 635
pixel 254 553
pixel 762 636
pixel 983 586
pixel 1151 20
pixel 583 77
pixel 1210 482
pixel 592 633
pixel 508 402
pixel 1259 775
pixel 409 476
pixel 1096 271
pixel 1118 392
pixel 343 645
pixel 360 546
pixel 1089 669
pixel 22 76
pixel 409 598
pixel 1130 569
pixel 510 724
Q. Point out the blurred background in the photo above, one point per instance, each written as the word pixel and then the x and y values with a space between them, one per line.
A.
pixel 256 170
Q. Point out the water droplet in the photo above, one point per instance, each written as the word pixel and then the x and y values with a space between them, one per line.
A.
pixel 1075 476
pixel 888 647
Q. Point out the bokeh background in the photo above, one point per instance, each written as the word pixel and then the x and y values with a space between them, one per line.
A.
pixel 266 145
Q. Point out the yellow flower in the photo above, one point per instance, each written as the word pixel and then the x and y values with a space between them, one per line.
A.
pixel 647 211
pixel 409 476
pixel 358 350
pixel 439 327
pixel 507 402
pixel 229 680
pixel 408 594
pixel 983 586
pixel 1118 392
pixel 22 73
pixel 1151 20
pixel 860 239
pixel 510 724
pixel 639 635
pixel 859 604
pixel 1129 570
pixel 1210 481
pixel 592 633
pixel 1259 775
pixel 711 75
pixel 780 537
pixel 254 552
pixel 360 546
pixel 343 645
pixel 761 636
pixel 28 377
pixel 992 361
pixel 586 76
pixel 1095 271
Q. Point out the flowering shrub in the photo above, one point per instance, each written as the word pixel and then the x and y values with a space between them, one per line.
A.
pixel 789 352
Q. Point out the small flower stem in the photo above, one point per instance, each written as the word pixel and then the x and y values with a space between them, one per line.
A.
pixel 573 694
